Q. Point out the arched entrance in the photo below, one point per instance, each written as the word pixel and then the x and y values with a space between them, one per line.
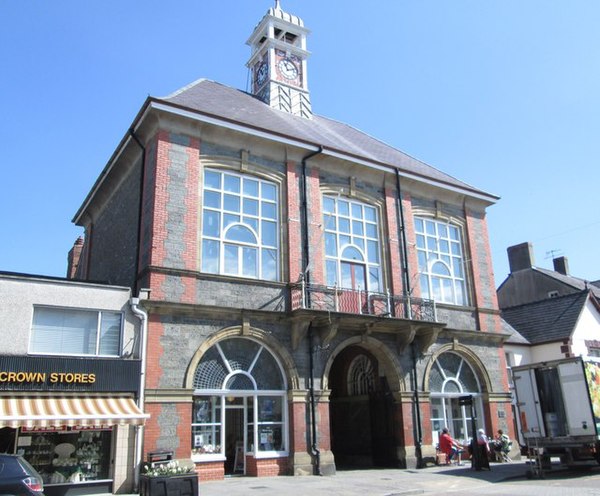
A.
pixel 450 377
pixel 361 411
pixel 240 407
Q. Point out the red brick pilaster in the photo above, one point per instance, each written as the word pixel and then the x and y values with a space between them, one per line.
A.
pixel 315 228
pixel 411 241
pixel 393 241
pixel 154 352
pixel 294 219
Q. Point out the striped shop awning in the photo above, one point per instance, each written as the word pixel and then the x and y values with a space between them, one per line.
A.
pixel 85 411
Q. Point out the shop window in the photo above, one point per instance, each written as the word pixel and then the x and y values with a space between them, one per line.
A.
pixel 441 261
pixel 240 226
pixel 239 403
pixel 451 377
pixel 66 331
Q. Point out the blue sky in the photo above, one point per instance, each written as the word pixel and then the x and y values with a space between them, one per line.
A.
pixel 502 94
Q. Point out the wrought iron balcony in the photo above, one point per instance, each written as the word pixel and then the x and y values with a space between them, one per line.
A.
pixel 357 301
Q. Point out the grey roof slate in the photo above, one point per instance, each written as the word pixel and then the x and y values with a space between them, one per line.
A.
pixel 572 281
pixel 548 320
pixel 515 336
pixel 215 99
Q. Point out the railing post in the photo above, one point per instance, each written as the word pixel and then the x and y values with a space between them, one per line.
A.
pixel 336 303
pixel 359 300
pixel 389 304
pixel 409 307
pixel 303 289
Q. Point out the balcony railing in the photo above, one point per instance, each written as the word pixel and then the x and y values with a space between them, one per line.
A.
pixel 357 301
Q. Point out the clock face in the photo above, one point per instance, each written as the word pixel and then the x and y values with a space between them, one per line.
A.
pixel 262 73
pixel 288 68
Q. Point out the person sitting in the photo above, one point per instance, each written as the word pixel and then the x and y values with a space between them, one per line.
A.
pixel 503 446
pixel 449 446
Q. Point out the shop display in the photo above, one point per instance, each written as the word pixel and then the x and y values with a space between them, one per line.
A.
pixel 68 456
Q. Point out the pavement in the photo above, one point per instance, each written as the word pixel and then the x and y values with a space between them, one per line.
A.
pixel 373 482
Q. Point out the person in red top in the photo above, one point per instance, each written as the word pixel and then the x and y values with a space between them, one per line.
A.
pixel 448 445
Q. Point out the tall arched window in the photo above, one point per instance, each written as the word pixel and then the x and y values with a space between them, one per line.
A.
pixel 240 226
pixel 441 261
pixel 450 378
pixel 239 402
pixel 361 376
pixel 352 251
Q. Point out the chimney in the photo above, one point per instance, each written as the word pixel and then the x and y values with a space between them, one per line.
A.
pixel 561 265
pixel 520 257
pixel 73 258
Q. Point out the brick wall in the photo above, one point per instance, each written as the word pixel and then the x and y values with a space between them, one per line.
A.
pixel 210 471
pixel 266 467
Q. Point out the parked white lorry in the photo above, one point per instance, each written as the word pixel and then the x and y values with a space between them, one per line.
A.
pixel 558 409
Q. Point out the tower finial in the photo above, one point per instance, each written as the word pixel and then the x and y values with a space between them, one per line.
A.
pixel 277 6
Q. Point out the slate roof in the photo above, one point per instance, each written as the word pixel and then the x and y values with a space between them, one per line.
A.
pixel 548 320
pixel 215 99
pixel 574 282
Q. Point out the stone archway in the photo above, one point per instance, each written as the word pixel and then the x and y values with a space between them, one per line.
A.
pixel 363 376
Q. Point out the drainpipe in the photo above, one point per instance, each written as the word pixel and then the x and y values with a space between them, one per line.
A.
pixel 140 206
pixel 314 445
pixel 418 429
pixel 314 449
pixel 139 437
pixel 406 289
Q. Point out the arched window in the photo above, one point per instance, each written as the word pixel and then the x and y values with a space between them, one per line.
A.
pixel 240 226
pixel 352 250
pixel 361 376
pixel 441 261
pixel 450 378
pixel 239 402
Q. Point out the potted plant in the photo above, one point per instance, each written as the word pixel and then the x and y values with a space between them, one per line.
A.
pixel 168 478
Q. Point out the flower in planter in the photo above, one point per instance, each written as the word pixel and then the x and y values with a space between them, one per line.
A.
pixel 169 469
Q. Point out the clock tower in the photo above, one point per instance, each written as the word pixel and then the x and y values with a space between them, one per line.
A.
pixel 278 62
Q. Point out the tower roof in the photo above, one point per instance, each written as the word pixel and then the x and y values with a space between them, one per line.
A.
pixel 278 12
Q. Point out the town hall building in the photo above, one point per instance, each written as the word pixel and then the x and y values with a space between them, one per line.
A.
pixel 317 299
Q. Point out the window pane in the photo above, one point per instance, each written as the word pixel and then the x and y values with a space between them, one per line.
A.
pixel 269 409
pixel 430 228
pixel 269 265
pixel 110 334
pixel 357 228
pixel 351 253
pixel 371 230
pixel 250 187
pixel 359 243
pixel 210 256
pixel 231 203
pixel 343 208
pixel 329 222
pixel 250 206
pixel 210 223
pixel 370 214
pixel 206 439
pixel 328 205
pixel 268 210
pixel 230 259
pixel 344 225
pixel 424 280
pixel 422 260
pixel 330 245
pixel 374 281
pixel 269 192
pixel 270 438
pixel 357 211
pixel 58 330
pixel 331 269
pixel 229 219
pixel 232 183
pixel 240 233
pixel 250 261
pixel 269 233
pixel 419 225
pixel 212 180
pixel 373 251
pixel 212 199
pixel 251 222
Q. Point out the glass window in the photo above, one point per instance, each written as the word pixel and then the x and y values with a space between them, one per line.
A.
pixel 450 378
pixel 441 261
pixel 240 231
pixel 351 234
pixel 242 375
pixel 66 331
